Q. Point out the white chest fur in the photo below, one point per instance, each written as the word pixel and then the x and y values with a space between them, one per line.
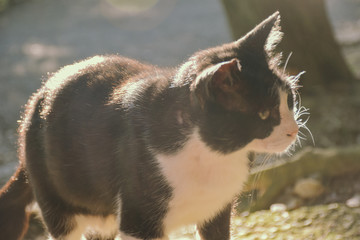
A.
pixel 204 181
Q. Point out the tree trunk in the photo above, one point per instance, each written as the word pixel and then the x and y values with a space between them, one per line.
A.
pixel 308 34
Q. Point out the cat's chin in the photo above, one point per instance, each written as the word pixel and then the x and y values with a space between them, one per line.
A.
pixel 273 147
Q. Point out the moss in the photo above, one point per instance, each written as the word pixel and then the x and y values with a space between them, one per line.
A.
pixel 333 221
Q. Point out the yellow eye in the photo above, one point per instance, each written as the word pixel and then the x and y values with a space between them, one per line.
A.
pixel 264 114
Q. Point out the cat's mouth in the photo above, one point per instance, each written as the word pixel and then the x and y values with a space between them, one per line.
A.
pixel 280 146
pixel 272 145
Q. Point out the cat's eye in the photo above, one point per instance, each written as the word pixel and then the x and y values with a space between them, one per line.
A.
pixel 264 114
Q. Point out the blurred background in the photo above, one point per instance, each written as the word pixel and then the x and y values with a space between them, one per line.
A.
pixel 38 37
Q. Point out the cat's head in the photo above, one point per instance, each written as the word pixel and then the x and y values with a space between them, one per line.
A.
pixel 242 97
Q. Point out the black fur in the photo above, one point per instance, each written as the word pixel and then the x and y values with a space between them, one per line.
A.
pixel 90 134
pixel 14 197
pixel 218 227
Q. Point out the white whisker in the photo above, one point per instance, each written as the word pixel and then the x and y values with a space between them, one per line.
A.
pixel 287 61
pixel 303 123
pixel 299 112
pixel 302 138
pixel 298 140
pixel 302 134
pixel 308 130
pixel 294 80
pixel 255 183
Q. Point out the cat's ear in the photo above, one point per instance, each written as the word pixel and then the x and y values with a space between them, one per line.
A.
pixel 225 78
pixel 221 83
pixel 264 36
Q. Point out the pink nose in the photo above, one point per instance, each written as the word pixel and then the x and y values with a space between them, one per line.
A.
pixel 293 132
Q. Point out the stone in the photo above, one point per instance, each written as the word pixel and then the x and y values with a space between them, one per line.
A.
pixel 354 202
pixel 308 188
pixel 278 207
pixel 294 203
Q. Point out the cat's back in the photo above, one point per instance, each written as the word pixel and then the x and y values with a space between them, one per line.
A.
pixel 77 91
pixel 84 99
pixel 96 77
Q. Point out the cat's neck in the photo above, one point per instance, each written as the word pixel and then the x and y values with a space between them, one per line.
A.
pixel 203 180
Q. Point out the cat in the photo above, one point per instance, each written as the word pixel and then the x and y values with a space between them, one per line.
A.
pixel 114 147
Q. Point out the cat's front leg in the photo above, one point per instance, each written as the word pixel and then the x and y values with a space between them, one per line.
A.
pixel 217 228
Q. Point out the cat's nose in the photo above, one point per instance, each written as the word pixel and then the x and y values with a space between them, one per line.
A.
pixel 293 132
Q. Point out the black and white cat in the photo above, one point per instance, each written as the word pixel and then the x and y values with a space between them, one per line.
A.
pixel 114 147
